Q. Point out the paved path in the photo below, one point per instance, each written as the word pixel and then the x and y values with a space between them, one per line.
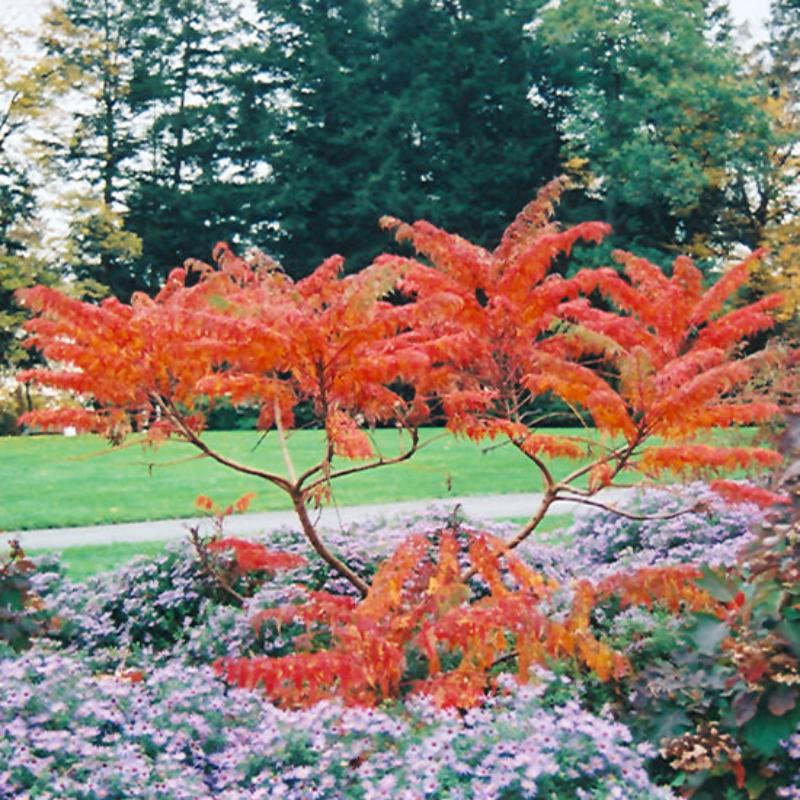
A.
pixel 480 507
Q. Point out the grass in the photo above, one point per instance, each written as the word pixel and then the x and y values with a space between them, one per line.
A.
pixel 55 481
pixel 82 562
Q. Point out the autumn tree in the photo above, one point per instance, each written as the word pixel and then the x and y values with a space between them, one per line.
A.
pixel 97 44
pixel 190 187
pixel 769 209
pixel 660 363
pixel 481 332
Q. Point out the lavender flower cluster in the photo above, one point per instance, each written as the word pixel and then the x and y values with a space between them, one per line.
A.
pixel 67 732
pixel 711 532
pixel 71 729
pixel 792 748
pixel 157 609
pixel 147 606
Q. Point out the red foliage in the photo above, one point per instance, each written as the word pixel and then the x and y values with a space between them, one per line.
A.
pixel 480 333
pixel 328 339
pixel 418 602
pixel 662 362
pixel 252 556
pixel 734 493
pixel 484 331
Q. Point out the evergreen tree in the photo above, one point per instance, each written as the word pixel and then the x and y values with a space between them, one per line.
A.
pixel 467 145
pixel 186 192
pixel 416 108
pixel 316 98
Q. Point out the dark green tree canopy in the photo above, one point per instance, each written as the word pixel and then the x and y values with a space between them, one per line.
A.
pixel 656 106
pixel 294 126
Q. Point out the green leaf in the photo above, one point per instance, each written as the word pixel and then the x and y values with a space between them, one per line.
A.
pixel 708 633
pixel 755 786
pixel 765 731
pixel 791 632
pixel 719 587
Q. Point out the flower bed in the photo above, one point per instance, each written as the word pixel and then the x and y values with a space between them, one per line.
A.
pixel 180 733
pixel 119 700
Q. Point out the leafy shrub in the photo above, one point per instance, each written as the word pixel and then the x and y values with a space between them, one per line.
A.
pixel 175 732
pixel 724 704
pixel 148 605
pixel 22 613
pixel 479 335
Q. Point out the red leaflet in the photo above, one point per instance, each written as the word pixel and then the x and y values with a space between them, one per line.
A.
pixel 252 556
pixel 735 492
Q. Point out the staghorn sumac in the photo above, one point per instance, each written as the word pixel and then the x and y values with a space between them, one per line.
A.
pixel 420 609
pixel 481 334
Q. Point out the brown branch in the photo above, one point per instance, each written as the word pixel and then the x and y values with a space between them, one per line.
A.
pixel 287 459
pixel 207 566
pixel 530 526
pixel 547 476
pixel 524 532
pixel 381 462
pixel 622 455
pixel 193 439
pixel 628 515
pixel 297 495
pixel 299 501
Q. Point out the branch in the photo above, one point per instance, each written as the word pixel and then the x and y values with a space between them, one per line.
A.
pixel 530 526
pixel 299 500
pixel 621 454
pixel 628 515
pixel 547 476
pixel 523 533
pixel 191 437
pixel 209 568
pixel 297 495
pixel 287 459
pixel 381 462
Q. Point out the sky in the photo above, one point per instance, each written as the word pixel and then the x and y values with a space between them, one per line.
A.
pixel 753 12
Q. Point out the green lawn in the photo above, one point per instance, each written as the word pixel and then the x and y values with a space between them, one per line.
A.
pixel 81 562
pixel 53 481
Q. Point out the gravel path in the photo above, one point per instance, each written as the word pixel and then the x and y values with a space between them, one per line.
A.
pixel 480 507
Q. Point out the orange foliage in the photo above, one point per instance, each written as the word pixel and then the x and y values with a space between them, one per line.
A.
pixel 483 331
pixel 419 601
pixel 242 331
pixel 674 359
pixel 734 493
pixel 490 309
pixel 478 333
pixel 666 352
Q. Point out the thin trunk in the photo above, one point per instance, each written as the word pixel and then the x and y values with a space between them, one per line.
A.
pixel 298 499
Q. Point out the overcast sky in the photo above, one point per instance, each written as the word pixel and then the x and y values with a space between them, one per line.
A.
pixel 26 13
